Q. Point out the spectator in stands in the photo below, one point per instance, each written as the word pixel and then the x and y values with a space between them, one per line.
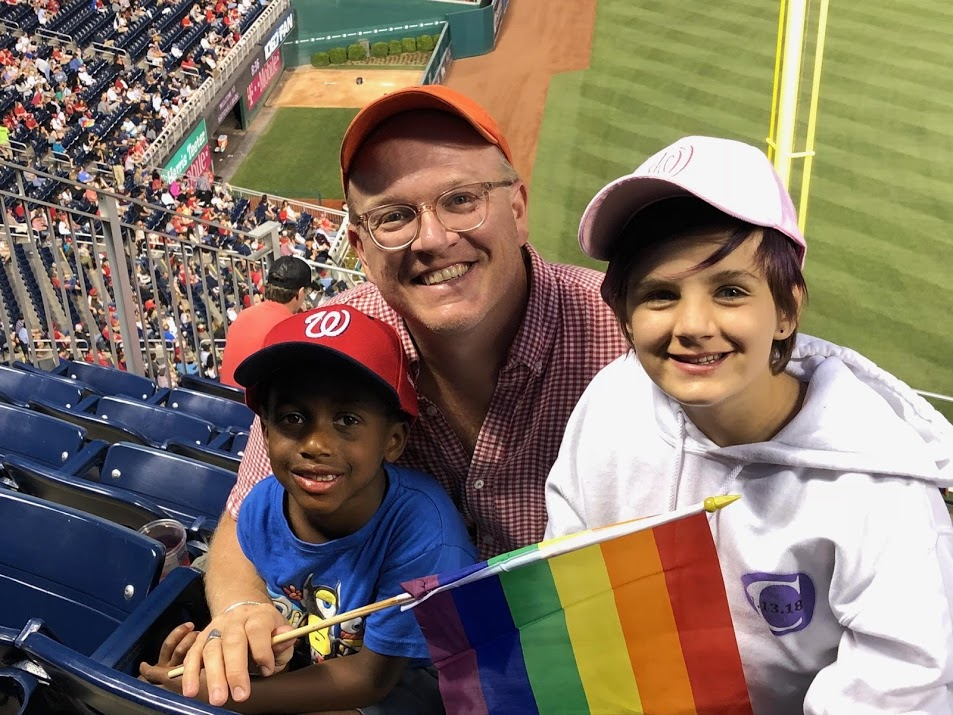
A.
pixel 289 279
pixel 493 333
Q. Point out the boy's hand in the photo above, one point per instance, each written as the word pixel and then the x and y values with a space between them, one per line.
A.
pixel 172 654
pixel 247 629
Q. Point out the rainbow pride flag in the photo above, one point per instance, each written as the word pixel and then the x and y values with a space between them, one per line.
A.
pixel 606 621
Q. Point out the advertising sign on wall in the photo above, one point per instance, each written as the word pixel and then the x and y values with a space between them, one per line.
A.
pixel 186 155
pixel 278 36
pixel 262 78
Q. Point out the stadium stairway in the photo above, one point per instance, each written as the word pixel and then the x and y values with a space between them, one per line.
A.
pixel 15 280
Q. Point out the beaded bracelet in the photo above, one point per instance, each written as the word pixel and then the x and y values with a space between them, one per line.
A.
pixel 242 603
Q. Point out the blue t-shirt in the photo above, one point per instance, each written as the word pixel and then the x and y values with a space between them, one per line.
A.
pixel 416 532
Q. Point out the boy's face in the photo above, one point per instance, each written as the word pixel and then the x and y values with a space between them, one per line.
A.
pixel 705 336
pixel 327 438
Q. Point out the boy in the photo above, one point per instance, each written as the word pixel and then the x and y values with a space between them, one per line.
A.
pixel 338 526
pixel 838 560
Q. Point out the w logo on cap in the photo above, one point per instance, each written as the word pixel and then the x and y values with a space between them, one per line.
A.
pixel 327 323
pixel 668 162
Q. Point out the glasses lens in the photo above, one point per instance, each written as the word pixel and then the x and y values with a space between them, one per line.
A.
pixel 463 208
pixel 393 225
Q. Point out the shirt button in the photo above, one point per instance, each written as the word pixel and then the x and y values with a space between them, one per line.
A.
pixel 432 411
pixel 539 366
pixel 478 484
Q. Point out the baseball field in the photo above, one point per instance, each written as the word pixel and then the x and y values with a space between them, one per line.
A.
pixel 585 90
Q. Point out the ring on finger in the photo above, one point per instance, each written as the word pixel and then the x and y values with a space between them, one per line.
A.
pixel 212 635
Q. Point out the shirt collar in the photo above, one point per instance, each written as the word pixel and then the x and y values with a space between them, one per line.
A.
pixel 533 342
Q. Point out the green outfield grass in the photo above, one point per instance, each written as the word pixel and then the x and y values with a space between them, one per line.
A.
pixel 880 251
pixel 298 154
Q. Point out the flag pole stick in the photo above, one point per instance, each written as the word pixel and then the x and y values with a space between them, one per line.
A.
pixel 321 625
pixel 548 549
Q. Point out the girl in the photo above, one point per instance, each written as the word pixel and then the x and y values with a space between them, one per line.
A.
pixel 838 560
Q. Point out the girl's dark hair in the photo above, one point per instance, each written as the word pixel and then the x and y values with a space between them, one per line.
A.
pixel 777 257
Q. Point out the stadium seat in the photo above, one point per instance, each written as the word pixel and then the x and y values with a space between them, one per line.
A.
pixel 117 419
pixel 81 574
pixel 19 388
pixel 105 683
pixel 224 451
pixel 119 506
pixel 190 491
pixel 109 380
pixel 45 439
pixel 212 387
pixel 225 414
pixel 16 692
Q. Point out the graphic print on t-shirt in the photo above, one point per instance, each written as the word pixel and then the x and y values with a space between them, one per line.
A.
pixel 313 602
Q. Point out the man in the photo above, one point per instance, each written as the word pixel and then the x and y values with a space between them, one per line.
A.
pixel 500 342
pixel 288 281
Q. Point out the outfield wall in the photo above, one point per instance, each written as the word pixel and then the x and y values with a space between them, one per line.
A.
pixel 440 61
pixel 473 30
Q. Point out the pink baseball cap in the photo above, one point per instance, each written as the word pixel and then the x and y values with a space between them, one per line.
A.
pixel 327 336
pixel 733 177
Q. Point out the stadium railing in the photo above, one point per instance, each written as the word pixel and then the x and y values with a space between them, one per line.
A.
pixel 100 263
pixel 183 276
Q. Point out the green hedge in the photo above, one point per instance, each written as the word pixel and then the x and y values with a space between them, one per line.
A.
pixel 337 56
pixel 356 52
pixel 408 44
pixel 436 39
pixel 320 59
pixel 379 49
pixel 425 43
pixel 393 47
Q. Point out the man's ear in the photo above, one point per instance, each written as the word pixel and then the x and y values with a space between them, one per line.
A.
pixel 519 206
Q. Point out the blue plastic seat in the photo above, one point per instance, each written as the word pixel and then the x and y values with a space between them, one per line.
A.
pixel 109 380
pixel 81 574
pixel 225 414
pixel 212 387
pixel 188 490
pixel 105 683
pixel 118 419
pixel 113 504
pixel 40 437
pixel 19 388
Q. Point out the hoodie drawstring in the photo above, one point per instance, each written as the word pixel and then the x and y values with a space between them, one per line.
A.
pixel 679 460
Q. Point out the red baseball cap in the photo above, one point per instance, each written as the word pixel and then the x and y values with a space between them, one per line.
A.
pixel 432 96
pixel 333 335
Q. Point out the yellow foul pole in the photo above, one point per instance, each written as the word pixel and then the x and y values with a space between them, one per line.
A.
pixel 776 85
pixel 790 85
pixel 812 116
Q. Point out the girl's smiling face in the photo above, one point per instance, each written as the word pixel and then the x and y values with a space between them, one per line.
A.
pixel 705 334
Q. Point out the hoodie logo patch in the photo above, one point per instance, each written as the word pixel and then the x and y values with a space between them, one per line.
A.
pixel 785 600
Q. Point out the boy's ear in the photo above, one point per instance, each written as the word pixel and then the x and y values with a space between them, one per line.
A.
pixel 264 435
pixel 396 440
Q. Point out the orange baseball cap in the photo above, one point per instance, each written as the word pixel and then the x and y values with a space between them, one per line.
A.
pixel 433 96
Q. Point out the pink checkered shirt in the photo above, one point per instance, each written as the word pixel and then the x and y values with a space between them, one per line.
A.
pixel 567 336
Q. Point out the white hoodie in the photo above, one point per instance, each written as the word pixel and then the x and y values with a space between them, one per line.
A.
pixel 837 561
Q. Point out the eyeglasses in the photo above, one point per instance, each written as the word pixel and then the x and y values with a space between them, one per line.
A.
pixel 460 209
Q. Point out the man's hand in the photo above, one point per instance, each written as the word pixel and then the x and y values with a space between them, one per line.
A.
pixel 245 630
